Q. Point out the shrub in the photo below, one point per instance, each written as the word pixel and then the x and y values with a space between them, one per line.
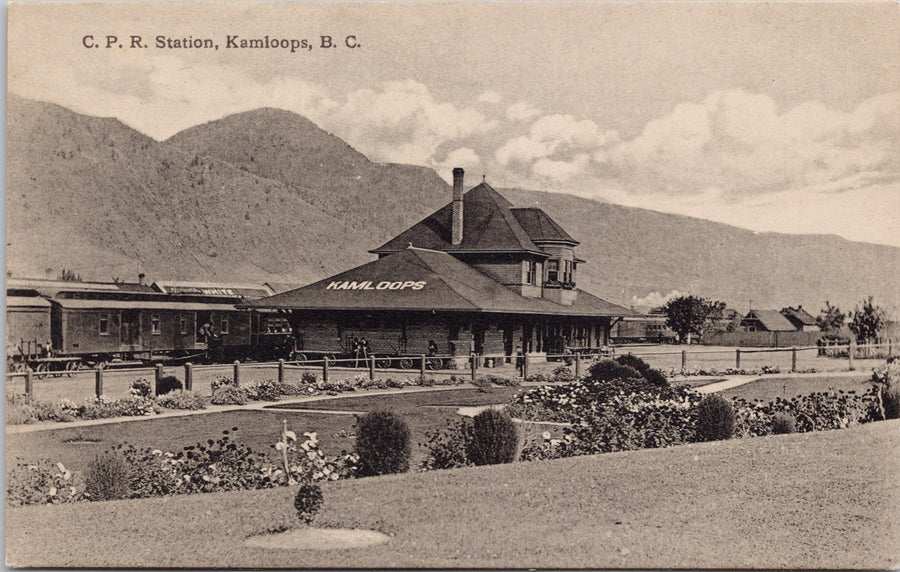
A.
pixel 107 478
pixel 168 384
pixel 608 370
pixel 656 377
pixel 501 380
pixel 182 400
pixel 41 483
pixel 308 378
pixel 105 407
pixel 783 423
pixel 221 381
pixel 308 501
pixel 266 390
pixel 140 388
pixel 494 439
pixel 383 443
pixel 633 361
pixel 715 418
pixel 890 401
pixel 887 379
pixel 446 448
pixel 228 395
pixel 562 373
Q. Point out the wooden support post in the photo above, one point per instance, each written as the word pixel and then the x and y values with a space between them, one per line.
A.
pixel 98 382
pixel 29 382
pixel 524 366
pixel 683 359
pixel 372 367
pixel 474 364
pixel 281 370
pixel 793 359
pixel 325 370
pixel 578 365
pixel 851 349
pixel 737 358
pixel 157 376
pixel 422 365
pixel 188 376
pixel 237 373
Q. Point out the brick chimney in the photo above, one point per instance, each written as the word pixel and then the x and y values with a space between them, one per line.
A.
pixel 456 226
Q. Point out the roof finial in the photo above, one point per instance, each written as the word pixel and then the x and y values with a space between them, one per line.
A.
pixel 483 177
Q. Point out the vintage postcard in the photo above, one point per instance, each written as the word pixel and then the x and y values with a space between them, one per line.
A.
pixel 452 285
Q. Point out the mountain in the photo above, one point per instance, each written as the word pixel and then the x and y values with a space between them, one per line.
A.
pixel 267 195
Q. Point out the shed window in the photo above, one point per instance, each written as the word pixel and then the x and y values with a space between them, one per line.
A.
pixel 154 325
pixel 223 325
pixel 104 324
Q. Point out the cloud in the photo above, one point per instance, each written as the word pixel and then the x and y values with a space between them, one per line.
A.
pixel 490 97
pixel 655 299
pixel 522 111
pixel 462 157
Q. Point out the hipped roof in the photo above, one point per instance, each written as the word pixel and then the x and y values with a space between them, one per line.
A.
pixel 771 320
pixel 449 285
pixel 489 225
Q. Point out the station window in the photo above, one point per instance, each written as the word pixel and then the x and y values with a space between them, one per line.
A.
pixel 530 272
pixel 552 270
pixel 183 325
pixel 223 325
pixel 567 271
pixel 154 325
pixel 104 324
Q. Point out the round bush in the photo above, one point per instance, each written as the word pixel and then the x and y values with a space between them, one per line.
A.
pixel 383 443
pixel 229 395
pixel 108 478
pixel 783 423
pixel 168 384
pixel 494 439
pixel 715 418
pixel 656 377
pixel 308 501
pixel 890 400
pixel 607 369
pixel 632 360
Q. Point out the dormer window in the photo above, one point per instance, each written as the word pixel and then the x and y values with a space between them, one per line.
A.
pixel 567 271
pixel 552 270
pixel 531 272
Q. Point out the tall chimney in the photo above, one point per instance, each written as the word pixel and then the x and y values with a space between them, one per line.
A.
pixel 456 228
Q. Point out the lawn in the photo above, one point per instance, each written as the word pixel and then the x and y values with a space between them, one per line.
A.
pixel 768 388
pixel 423 411
pixel 814 500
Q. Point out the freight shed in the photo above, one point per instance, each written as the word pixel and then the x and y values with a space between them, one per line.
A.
pixel 478 275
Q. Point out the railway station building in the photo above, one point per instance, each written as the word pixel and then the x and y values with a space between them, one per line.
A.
pixel 477 275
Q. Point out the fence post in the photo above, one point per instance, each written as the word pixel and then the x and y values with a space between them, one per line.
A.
pixel 28 382
pixel 737 358
pixel 237 373
pixel 98 382
pixel 683 359
pixel 422 365
pixel 188 377
pixel 157 376
pixel 325 370
pixel 793 359
pixel 474 364
pixel 578 365
pixel 890 347
pixel 372 367
pixel 851 349
pixel 281 370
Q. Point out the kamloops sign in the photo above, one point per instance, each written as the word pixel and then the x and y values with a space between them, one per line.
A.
pixel 370 285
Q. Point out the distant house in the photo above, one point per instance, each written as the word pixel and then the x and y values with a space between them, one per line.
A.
pixel 801 319
pixel 766 321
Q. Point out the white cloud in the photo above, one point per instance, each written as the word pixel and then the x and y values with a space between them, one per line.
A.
pixel 522 111
pixel 556 172
pixel 655 299
pixel 462 157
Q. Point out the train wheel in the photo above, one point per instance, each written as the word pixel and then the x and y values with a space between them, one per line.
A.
pixel 301 358
pixel 383 363
pixel 434 363
pixel 40 370
pixel 72 367
pixel 406 363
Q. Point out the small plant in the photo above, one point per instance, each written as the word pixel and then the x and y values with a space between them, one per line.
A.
pixel 229 395
pixel 494 439
pixel 187 400
pixel 41 483
pixel 447 447
pixel 783 423
pixel 108 478
pixel 383 443
pixel 715 418
pixel 140 388
pixel 168 384
pixel 308 501
pixel 308 378
pixel 221 381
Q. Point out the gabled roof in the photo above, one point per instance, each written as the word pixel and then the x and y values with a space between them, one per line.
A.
pixel 798 315
pixel 488 226
pixel 417 279
pixel 771 320
pixel 217 289
pixel 540 227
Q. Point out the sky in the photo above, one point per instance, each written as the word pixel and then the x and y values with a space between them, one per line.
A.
pixel 772 117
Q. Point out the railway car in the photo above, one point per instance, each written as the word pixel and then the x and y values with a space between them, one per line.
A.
pixel 645 328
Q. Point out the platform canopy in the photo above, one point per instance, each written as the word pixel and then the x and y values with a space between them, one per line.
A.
pixel 417 279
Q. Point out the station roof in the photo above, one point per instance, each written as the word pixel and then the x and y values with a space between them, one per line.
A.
pixel 489 225
pixel 140 305
pixel 26 302
pixel 540 227
pixel 246 291
pixel 417 279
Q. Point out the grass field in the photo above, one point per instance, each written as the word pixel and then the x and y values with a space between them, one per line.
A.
pixel 768 388
pixel 814 500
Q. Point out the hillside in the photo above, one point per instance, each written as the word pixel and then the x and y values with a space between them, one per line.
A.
pixel 267 195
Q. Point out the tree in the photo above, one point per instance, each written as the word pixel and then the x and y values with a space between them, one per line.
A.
pixel 67 275
pixel 691 315
pixel 830 319
pixel 867 321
